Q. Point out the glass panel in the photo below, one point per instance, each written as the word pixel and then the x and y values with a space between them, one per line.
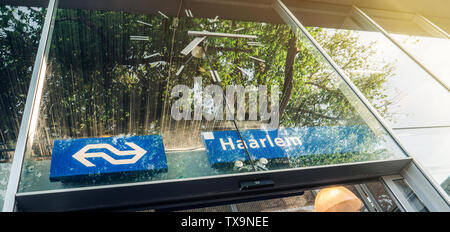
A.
pixel 420 38
pixel 121 86
pixel 402 92
pixel 309 201
pixel 430 146
pixel 410 196
pixel 20 30
pixel 321 121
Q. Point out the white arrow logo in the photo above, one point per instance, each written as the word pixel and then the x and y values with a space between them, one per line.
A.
pixel 81 155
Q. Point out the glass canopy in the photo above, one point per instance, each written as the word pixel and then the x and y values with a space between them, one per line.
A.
pixel 189 96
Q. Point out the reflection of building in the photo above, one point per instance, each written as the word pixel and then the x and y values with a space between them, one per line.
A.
pixel 112 74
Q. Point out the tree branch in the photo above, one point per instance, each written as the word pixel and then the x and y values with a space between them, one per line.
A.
pixel 288 73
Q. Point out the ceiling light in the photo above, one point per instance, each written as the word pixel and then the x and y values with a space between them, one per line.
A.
pixel 179 70
pixel 152 55
pixel 188 13
pixel 254 43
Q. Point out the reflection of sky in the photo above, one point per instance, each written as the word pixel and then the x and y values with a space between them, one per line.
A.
pixel 431 145
pixel 23 10
pixel 418 100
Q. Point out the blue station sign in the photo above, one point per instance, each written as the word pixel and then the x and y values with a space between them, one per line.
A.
pixel 224 147
pixel 95 156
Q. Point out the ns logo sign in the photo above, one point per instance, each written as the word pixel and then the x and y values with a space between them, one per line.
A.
pixel 94 156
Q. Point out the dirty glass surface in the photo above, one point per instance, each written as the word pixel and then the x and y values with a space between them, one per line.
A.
pixel 169 89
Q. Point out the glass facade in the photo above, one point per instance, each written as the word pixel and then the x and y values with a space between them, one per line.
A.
pixel 20 30
pixel 115 74
pixel 173 96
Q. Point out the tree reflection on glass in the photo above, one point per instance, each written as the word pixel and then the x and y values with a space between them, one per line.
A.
pixel 112 73
pixel 20 29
